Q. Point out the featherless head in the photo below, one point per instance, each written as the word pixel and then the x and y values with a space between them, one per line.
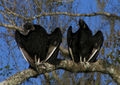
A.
pixel 82 24
pixel 28 26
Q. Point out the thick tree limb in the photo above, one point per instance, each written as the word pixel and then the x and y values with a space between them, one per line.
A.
pixel 99 66
pixel 64 51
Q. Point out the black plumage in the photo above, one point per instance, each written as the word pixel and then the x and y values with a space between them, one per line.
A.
pixel 72 40
pixel 55 38
pixel 36 45
pixel 82 45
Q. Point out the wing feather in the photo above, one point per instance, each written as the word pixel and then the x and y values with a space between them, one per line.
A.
pixel 71 53
pixel 94 51
pixel 51 51
pixel 26 56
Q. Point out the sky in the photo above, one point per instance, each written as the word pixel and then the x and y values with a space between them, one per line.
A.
pixel 82 6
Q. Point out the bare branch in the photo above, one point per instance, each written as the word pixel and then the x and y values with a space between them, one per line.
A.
pixel 8 11
pixel 76 15
pixel 99 66
pixel 63 1
pixel 62 13
pixel 7 18
pixel 11 26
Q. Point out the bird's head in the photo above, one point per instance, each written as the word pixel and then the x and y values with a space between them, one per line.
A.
pixel 27 28
pixel 82 23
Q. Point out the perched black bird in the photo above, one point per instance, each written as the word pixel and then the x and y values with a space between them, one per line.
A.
pixel 36 45
pixel 82 45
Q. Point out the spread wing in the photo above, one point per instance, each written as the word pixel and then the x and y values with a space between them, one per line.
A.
pixel 97 43
pixel 54 39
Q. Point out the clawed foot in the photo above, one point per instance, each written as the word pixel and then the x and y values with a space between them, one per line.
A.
pixel 39 63
pixel 84 61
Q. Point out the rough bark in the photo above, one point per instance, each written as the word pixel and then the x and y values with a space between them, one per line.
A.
pixel 99 66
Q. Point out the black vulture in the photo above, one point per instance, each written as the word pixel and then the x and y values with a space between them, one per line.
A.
pixel 82 45
pixel 36 45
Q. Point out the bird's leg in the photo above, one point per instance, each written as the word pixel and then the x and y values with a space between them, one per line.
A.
pixel 35 59
pixel 86 62
pixel 84 59
pixel 38 62
pixel 80 59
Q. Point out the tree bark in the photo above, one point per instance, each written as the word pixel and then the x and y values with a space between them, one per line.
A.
pixel 99 66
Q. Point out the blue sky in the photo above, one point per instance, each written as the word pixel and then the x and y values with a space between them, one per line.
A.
pixel 81 6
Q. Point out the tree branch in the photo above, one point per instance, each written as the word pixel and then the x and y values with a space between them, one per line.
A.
pixel 64 51
pixel 11 26
pixel 76 15
pixel 63 1
pixel 99 66
pixel 61 13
